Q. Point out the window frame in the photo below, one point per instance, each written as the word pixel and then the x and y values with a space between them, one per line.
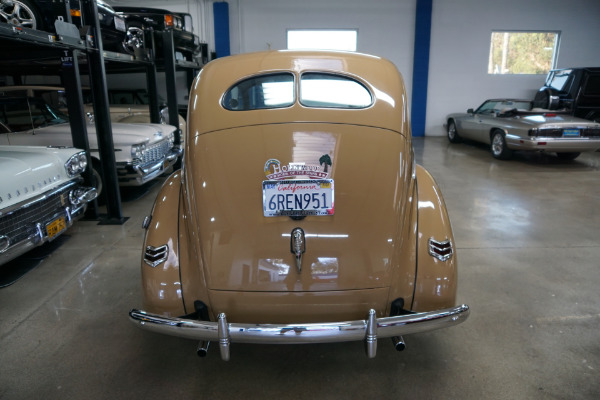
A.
pixel 248 78
pixel 553 60
pixel 338 75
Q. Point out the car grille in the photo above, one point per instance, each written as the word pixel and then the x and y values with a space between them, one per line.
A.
pixel 557 132
pixel 19 224
pixel 155 152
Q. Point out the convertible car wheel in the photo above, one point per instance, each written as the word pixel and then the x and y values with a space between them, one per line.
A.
pixel 453 135
pixel 499 149
pixel 20 13
pixel 568 156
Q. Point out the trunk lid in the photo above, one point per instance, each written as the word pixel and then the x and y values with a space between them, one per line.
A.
pixel 242 250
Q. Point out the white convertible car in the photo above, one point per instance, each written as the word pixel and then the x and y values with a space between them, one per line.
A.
pixel 142 151
pixel 40 195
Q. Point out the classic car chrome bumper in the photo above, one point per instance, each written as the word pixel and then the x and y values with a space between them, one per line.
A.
pixel 35 219
pixel 368 330
pixel 137 175
pixel 552 144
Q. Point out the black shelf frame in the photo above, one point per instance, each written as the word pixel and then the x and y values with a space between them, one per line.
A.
pixel 68 56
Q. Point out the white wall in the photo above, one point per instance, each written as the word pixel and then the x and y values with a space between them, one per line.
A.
pixel 385 27
pixel 460 45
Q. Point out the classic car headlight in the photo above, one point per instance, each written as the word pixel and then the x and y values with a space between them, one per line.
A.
pixel 171 139
pixel 138 150
pixel 76 164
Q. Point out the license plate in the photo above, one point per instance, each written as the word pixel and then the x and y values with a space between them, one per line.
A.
pixel 297 198
pixel 571 133
pixel 56 227
pixel 120 24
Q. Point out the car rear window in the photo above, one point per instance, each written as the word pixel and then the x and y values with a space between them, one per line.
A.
pixel 261 92
pixel 333 91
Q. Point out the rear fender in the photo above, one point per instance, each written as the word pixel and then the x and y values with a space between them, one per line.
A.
pixel 436 278
pixel 161 283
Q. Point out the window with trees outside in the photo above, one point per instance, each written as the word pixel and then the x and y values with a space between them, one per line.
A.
pixel 518 52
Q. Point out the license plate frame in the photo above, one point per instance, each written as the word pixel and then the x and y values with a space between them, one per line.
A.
pixel 56 227
pixel 571 133
pixel 298 198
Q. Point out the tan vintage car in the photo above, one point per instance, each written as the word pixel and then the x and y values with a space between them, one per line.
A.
pixel 299 215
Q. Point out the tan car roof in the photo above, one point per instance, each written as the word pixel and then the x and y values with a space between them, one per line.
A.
pixel 379 75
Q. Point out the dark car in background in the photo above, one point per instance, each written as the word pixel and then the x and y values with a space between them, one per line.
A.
pixel 42 14
pixel 574 89
pixel 142 22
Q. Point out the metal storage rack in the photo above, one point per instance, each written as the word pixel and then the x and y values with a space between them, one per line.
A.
pixel 27 51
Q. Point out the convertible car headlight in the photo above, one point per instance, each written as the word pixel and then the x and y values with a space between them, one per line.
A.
pixel 76 164
pixel 137 151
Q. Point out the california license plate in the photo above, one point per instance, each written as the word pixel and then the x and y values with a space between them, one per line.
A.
pixel 571 133
pixel 56 227
pixel 297 198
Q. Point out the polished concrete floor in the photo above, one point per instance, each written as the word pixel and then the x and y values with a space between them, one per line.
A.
pixel 528 238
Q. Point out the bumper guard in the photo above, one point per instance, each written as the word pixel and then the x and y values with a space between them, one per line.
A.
pixel 368 330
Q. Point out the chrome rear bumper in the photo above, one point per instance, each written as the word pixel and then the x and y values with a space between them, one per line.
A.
pixel 368 330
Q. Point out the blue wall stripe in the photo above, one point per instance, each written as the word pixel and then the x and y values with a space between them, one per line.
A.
pixel 221 21
pixel 421 66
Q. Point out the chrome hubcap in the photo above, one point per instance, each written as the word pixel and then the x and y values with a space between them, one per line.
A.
pixel 135 39
pixel 451 131
pixel 497 145
pixel 17 14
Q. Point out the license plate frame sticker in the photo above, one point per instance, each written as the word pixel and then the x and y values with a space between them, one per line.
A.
pixel 571 133
pixel 56 227
pixel 298 198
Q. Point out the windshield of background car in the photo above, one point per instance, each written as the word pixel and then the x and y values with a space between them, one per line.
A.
pixel 24 114
pixel 487 107
pixel 559 79
pixel 504 105
pixel 333 91
pixel 261 92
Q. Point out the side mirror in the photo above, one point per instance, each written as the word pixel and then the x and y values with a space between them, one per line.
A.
pixel 470 111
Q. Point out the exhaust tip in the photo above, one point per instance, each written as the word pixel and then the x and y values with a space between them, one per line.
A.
pixel 399 344
pixel 202 349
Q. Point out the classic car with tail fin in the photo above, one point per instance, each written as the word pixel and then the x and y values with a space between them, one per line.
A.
pixel 41 196
pixel 299 215
pixel 142 151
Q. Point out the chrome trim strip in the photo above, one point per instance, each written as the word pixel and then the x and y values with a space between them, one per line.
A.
pixel 41 197
pixel 368 330
pixel 38 237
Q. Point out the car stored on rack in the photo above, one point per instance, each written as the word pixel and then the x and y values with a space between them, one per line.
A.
pixel 299 215
pixel 40 196
pixel 142 151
